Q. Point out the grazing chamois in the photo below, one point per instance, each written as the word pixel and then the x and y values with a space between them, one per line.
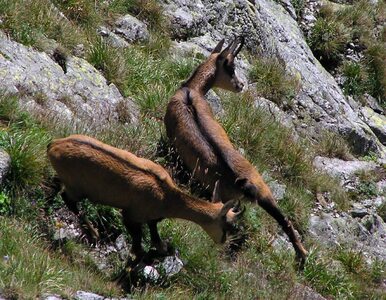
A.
pixel 143 190
pixel 205 147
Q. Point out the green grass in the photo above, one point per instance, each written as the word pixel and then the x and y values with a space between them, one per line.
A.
pixel 327 40
pixel 28 268
pixel 355 23
pixel 333 145
pixel 272 81
pixel 25 142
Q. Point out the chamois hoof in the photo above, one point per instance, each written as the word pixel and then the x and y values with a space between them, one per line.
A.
pixel 301 259
pixel 165 249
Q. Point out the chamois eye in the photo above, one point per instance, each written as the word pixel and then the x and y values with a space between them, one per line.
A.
pixel 229 66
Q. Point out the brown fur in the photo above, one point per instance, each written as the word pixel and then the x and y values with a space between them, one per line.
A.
pixel 143 190
pixel 205 147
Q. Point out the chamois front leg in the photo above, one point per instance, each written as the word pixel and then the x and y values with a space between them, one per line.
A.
pixel 71 202
pixel 163 248
pixel 135 231
pixel 269 205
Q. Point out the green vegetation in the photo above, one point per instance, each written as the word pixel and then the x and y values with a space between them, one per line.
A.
pixel 356 24
pixel 333 145
pixel 298 6
pixel 327 40
pixel 31 267
pixel 272 81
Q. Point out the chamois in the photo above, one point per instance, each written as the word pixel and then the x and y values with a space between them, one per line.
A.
pixel 143 190
pixel 205 147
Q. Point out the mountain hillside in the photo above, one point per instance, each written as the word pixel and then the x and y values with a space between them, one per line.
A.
pixel 311 118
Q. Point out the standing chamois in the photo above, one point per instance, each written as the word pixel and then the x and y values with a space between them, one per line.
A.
pixel 143 190
pixel 205 147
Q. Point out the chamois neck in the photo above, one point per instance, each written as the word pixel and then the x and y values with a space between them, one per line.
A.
pixel 203 78
pixel 189 208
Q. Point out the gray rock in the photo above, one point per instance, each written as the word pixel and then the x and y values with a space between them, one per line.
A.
pixel 373 104
pixel 150 273
pixel 278 189
pixel 172 265
pixel 344 170
pixel 367 235
pixel 289 8
pixel 81 295
pixel 376 122
pixel 131 29
pixel 214 102
pixel 273 110
pixel 51 297
pixel 111 38
pixel 5 161
pixel 81 95
pixel 303 292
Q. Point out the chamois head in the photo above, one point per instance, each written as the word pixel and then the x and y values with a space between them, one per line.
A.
pixel 226 219
pixel 218 70
pixel 225 67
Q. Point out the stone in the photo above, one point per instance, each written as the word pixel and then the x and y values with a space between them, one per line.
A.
pixel 5 161
pixel 367 235
pixel 289 8
pixel 278 189
pixel 344 170
pixel 303 292
pixel 51 297
pixel 82 95
pixel 131 29
pixel 376 122
pixel 111 38
pixel 172 265
pixel 214 102
pixel 81 295
pixel 150 273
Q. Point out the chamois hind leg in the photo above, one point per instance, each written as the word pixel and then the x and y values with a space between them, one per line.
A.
pixel 269 205
pixel 162 247
pixel 71 200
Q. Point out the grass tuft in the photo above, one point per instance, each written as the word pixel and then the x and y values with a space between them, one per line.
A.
pixel 272 81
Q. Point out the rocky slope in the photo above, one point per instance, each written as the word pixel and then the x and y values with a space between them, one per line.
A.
pixel 81 93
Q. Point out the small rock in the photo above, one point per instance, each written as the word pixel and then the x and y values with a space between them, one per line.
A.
pixel 172 265
pixel 214 102
pixel 5 161
pixel 51 297
pixel 376 122
pixel 359 213
pixel 81 295
pixel 131 29
pixel 111 38
pixel 151 273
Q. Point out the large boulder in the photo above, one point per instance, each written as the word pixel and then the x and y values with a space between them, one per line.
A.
pixel 80 93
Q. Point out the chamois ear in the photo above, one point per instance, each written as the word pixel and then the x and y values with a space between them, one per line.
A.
pixel 234 47
pixel 216 193
pixel 218 48
pixel 239 45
